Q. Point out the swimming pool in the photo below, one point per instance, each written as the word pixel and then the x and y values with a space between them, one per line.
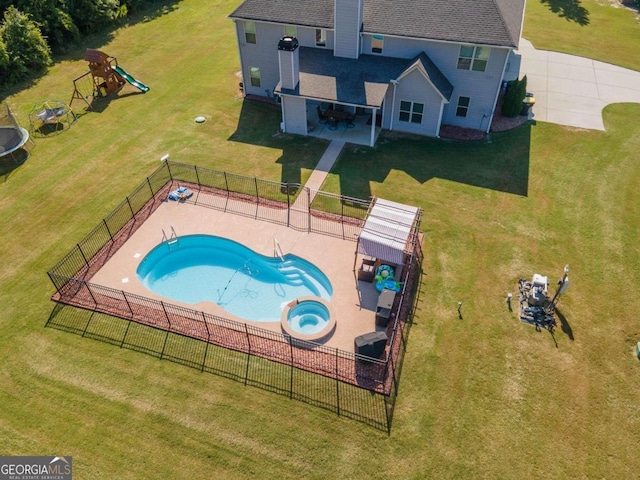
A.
pixel 197 268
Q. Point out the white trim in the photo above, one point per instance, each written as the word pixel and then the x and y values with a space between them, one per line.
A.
pixel 255 33
pixel 393 102
pixel 270 22
pixel 244 84
pixel 331 100
pixel 440 120
pixel 522 24
pixel 437 41
pixel 360 22
pixel 405 37
pixel 284 117
pixel 495 101
pixel 418 67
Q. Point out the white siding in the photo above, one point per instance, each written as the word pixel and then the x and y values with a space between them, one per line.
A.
pixel 481 87
pixel 289 68
pixel 264 53
pixel 295 115
pixel 347 23
pixel 414 88
pixel 386 111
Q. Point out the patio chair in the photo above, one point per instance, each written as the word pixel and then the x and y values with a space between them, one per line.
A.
pixel 350 120
pixel 322 118
pixel 333 123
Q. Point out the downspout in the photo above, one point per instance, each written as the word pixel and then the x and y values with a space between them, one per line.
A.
pixel 495 101
pixel 393 103
pixel 284 122
pixel 440 119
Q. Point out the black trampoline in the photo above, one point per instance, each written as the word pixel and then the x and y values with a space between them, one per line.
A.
pixel 13 138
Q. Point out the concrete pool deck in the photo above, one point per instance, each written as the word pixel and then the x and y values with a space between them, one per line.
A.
pixel 353 301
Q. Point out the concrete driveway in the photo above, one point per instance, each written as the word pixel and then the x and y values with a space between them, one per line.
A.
pixel 572 90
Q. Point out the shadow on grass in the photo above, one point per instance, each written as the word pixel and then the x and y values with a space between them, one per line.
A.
pixel 258 125
pixel 9 164
pixel 500 163
pixel 570 10
pixel 343 399
pixel 564 325
pixel 99 104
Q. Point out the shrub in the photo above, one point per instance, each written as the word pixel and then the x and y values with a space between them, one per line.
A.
pixel 26 48
pixel 513 97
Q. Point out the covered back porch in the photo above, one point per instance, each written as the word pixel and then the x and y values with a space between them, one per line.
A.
pixel 360 126
pixel 338 98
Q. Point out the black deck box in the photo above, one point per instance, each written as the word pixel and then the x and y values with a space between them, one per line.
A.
pixel 371 344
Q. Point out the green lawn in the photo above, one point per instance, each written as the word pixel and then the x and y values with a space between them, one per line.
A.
pixel 588 28
pixel 481 397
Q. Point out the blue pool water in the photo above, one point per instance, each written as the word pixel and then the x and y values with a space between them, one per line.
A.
pixel 199 268
pixel 308 317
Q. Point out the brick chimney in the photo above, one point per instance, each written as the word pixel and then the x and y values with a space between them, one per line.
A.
pixel 289 62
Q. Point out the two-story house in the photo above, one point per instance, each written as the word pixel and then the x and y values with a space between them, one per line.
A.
pixel 414 64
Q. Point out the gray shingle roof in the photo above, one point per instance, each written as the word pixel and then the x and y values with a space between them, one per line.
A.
pixel 345 80
pixel 492 22
pixel 310 13
pixel 357 82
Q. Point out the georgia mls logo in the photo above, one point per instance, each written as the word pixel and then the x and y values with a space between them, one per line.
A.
pixel 36 468
pixel 59 465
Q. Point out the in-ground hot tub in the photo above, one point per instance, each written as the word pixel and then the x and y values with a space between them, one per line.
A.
pixel 308 318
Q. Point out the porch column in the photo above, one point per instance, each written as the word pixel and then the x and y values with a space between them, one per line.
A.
pixel 373 127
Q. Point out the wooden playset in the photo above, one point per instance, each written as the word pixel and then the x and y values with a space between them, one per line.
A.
pixel 104 78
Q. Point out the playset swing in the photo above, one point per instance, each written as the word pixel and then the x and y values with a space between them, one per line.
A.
pixel 104 78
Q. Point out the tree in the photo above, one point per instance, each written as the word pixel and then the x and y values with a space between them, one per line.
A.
pixel 93 15
pixel 4 61
pixel 54 21
pixel 26 48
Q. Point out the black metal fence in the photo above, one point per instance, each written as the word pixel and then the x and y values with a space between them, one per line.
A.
pixel 220 345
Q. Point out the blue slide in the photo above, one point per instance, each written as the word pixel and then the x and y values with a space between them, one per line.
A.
pixel 139 85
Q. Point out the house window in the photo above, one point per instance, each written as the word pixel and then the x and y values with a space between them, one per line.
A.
pixel 411 111
pixel 290 31
pixel 463 106
pixel 473 58
pixel 250 32
pixel 321 37
pixel 377 42
pixel 254 74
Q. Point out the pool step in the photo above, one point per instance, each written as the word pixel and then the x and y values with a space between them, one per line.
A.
pixel 297 277
pixel 291 273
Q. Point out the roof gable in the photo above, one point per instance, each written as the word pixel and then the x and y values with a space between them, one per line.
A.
pixel 432 74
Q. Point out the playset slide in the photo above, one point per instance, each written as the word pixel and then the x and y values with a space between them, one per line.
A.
pixel 139 85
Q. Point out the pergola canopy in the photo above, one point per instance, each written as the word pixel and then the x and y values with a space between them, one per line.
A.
pixel 387 230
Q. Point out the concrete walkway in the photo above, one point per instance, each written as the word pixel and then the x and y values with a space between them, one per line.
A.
pixel 572 90
pixel 321 171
